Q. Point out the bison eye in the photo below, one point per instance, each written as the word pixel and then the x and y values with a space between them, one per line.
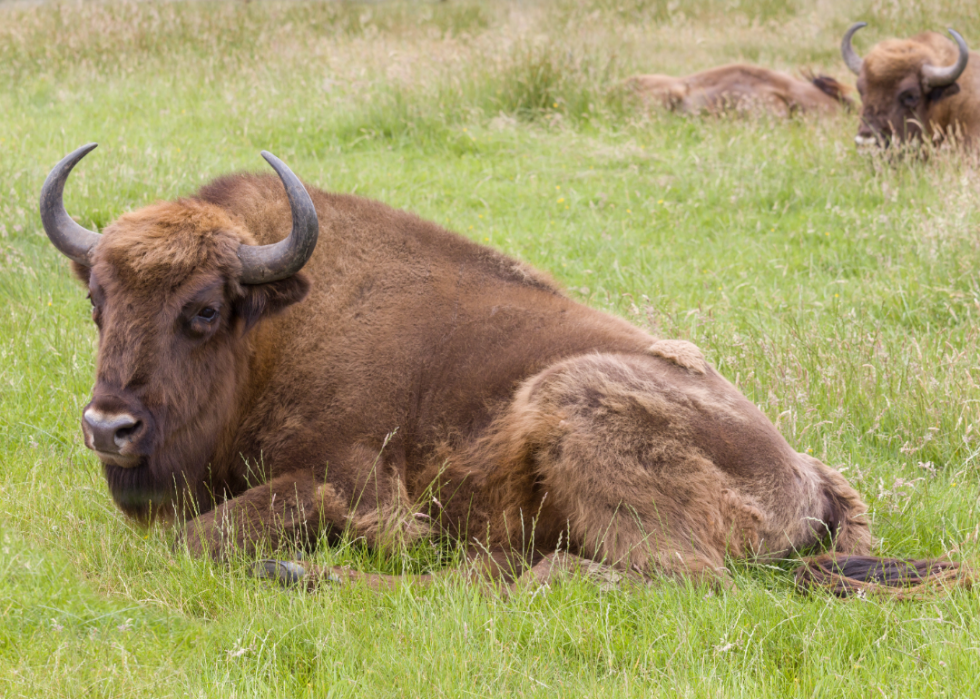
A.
pixel 908 99
pixel 200 325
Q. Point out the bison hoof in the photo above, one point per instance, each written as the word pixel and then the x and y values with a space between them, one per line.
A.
pixel 283 572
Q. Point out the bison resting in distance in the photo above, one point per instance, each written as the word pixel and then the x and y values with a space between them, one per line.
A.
pixel 923 87
pixel 407 383
pixel 741 88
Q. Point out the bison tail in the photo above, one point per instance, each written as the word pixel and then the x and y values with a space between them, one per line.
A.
pixel 902 579
pixel 830 87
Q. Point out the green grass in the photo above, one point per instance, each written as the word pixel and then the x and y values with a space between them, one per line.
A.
pixel 839 291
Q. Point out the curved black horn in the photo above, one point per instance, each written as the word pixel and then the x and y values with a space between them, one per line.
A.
pixel 74 241
pixel 935 76
pixel 268 263
pixel 851 58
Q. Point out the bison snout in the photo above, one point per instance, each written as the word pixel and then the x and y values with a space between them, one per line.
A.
pixel 110 434
pixel 870 135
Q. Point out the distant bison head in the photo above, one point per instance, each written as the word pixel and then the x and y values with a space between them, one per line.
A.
pixel 174 288
pixel 915 88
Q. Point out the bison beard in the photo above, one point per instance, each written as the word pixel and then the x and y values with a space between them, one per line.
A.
pixel 409 383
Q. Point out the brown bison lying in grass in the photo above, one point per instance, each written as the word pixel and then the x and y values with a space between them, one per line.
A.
pixel 741 88
pixel 408 383
pixel 923 87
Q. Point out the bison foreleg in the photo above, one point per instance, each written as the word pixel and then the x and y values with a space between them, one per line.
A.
pixel 287 513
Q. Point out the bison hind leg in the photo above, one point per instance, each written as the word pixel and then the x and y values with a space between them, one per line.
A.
pixel 608 452
pixel 662 531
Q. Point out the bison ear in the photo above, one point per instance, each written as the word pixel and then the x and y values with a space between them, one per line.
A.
pixel 82 272
pixel 261 300
pixel 938 93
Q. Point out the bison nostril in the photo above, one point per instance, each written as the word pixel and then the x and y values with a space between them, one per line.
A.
pixel 127 434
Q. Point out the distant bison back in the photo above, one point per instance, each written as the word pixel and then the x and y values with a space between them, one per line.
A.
pixel 741 88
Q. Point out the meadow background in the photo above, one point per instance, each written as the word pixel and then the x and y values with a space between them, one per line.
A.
pixel 839 290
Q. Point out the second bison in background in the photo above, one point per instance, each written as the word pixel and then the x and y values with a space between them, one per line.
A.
pixel 923 87
pixel 741 88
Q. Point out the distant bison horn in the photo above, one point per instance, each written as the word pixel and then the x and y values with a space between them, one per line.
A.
pixel 934 76
pixel 260 263
pixel 851 58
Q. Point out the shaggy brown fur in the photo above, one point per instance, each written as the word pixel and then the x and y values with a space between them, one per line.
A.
pixel 897 106
pixel 741 88
pixel 411 383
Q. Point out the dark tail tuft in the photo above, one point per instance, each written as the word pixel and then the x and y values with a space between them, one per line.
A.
pixel 829 86
pixel 892 577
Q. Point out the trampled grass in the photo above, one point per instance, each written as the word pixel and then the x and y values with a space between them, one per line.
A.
pixel 838 290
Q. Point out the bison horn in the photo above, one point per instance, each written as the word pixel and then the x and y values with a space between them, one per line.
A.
pixel 74 241
pixel 934 76
pixel 851 59
pixel 268 263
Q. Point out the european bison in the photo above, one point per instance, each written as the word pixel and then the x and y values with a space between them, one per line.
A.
pixel 741 88
pixel 408 383
pixel 925 86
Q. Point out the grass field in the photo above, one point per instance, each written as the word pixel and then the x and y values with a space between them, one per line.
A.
pixel 839 290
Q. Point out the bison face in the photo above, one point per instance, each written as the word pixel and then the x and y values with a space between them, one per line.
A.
pixel 900 80
pixel 174 349
pixel 175 289
pixel 897 111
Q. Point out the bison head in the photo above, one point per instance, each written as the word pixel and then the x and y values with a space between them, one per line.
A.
pixel 900 81
pixel 175 288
